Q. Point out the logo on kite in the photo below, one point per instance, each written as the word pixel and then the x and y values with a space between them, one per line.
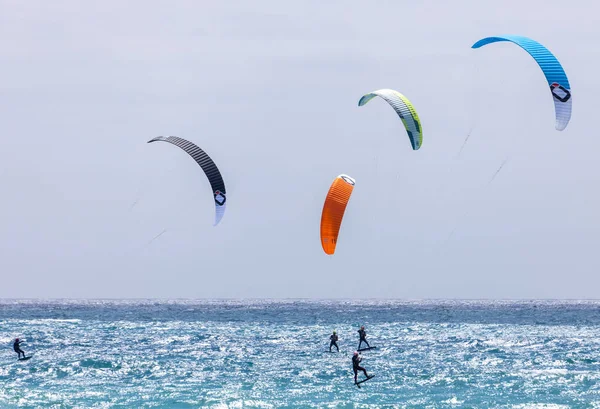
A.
pixel 559 92
pixel 348 180
pixel 220 198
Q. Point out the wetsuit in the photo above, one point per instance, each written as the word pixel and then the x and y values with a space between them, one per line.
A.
pixel 363 338
pixel 356 367
pixel 18 349
pixel 333 342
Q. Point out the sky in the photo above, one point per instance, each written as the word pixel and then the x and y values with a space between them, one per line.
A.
pixel 270 90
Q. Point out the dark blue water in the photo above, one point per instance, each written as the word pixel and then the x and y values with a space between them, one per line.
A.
pixel 270 354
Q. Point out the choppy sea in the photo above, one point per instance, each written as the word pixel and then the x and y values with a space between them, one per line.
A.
pixel 271 354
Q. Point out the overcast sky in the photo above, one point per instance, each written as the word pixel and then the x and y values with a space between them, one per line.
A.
pixel 269 89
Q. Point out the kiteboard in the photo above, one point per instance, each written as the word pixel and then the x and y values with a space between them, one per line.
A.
pixel 366 349
pixel 25 358
pixel 364 380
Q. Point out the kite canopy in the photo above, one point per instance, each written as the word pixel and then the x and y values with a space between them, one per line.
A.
pixel 333 211
pixel 209 168
pixel 405 110
pixel 554 72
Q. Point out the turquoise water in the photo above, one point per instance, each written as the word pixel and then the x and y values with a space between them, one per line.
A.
pixel 271 354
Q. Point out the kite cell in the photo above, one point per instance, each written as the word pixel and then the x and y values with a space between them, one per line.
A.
pixel 405 110
pixel 209 168
pixel 555 75
pixel 333 211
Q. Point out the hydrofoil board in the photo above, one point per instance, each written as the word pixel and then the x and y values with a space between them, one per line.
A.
pixel 364 380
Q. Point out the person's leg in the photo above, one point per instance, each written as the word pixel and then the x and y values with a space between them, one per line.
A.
pixel 355 375
pixel 336 346
pixel 364 371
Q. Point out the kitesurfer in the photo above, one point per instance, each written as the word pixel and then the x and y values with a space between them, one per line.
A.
pixel 333 339
pixel 363 337
pixel 17 348
pixel 356 366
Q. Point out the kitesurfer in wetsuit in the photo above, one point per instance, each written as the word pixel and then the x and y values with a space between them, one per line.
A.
pixel 18 349
pixel 356 366
pixel 363 337
pixel 333 341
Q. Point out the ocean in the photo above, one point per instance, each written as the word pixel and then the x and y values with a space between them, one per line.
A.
pixel 272 354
